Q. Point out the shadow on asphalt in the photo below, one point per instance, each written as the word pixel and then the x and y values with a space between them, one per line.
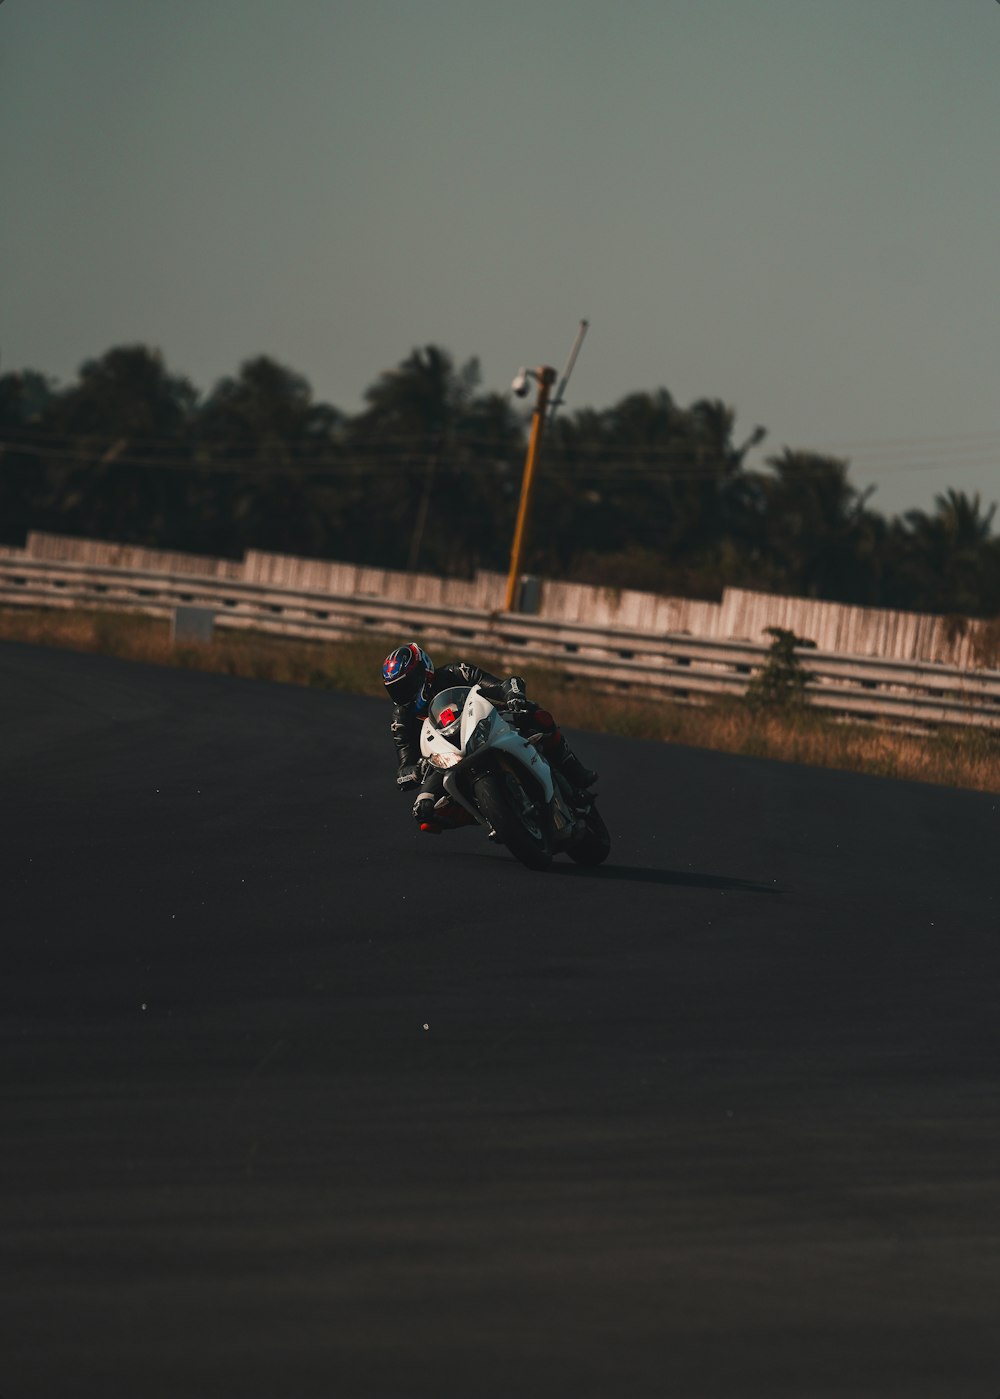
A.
pixel 640 874
pixel 644 874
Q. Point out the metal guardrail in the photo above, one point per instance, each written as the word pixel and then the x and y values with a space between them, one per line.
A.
pixel 679 666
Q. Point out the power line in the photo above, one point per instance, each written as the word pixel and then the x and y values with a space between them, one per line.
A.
pixel 957 442
pixel 633 464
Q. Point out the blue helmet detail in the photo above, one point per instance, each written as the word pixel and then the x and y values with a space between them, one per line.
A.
pixel 407 674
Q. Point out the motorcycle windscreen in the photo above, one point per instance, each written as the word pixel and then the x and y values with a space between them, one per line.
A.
pixel 445 712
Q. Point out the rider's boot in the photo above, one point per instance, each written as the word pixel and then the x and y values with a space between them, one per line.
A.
pixel 423 814
pixel 578 776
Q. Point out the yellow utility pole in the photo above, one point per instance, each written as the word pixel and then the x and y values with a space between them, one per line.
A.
pixel 546 377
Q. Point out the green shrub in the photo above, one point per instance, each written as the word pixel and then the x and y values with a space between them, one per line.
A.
pixel 781 682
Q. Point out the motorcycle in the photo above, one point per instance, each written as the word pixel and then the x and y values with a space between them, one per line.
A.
pixel 497 777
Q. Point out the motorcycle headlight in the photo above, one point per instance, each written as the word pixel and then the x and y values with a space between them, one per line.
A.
pixel 480 735
pixel 445 760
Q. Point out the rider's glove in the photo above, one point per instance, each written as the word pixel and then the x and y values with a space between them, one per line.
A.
pixel 408 776
pixel 514 698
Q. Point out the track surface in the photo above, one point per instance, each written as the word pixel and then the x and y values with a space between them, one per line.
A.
pixel 298 1102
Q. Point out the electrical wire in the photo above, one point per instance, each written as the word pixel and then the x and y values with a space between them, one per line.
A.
pixel 583 463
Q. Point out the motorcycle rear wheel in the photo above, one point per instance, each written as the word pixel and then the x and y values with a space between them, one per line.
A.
pixel 516 820
pixel 594 845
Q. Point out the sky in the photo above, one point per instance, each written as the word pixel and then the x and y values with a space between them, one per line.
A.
pixel 788 205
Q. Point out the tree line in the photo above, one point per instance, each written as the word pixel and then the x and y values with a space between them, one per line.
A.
pixel 646 493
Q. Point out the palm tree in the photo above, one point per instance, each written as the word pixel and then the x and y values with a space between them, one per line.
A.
pixel 814 522
pixel 114 433
pixel 24 398
pixel 965 525
pixel 409 445
pixel 421 401
pixel 279 447
pixel 265 416
pixel 944 558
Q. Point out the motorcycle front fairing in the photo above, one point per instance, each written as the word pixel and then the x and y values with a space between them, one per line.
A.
pixel 484 728
pixel 487 730
pixel 452 743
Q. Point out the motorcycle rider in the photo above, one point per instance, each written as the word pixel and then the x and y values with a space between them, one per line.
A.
pixel 411 682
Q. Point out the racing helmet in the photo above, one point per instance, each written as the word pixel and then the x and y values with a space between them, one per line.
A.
pixel 407 674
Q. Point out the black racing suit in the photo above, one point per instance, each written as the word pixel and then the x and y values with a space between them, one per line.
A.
pixel 406 724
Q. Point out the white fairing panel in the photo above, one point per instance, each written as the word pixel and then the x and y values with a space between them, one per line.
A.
pixel 477 707
pixel 503 737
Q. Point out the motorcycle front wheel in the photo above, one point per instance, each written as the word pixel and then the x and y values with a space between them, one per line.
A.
pixel 515 818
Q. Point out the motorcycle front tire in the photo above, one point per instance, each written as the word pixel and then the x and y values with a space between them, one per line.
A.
pixel 527 839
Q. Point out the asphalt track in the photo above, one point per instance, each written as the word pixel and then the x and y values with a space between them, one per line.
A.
pixel 297 1102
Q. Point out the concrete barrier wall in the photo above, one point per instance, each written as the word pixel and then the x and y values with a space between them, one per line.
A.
pixel 849 631
pixel 628 608
pixel 58 548
pixel 741 615
pixel 485 591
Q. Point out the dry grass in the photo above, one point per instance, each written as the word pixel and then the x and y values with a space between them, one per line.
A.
pixel 959 758
pixel 347 665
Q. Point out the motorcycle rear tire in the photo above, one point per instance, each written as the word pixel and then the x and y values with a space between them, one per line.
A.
pixel 594 845
pixel 530 844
